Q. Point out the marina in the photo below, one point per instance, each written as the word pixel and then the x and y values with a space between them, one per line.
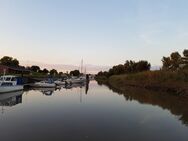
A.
pixel 93 70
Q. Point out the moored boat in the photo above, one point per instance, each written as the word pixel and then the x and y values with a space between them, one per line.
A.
pixel 78 80
pixel 45 84
pixel 9 83
pixel 59 82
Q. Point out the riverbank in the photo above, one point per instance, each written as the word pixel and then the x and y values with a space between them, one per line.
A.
pixel 174 82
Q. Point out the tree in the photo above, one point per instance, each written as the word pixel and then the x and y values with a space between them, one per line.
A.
pixel 128 67
pixel 176 60
pixel 35 68
pixel 9 61
pixel 166 63
pixel 75 73
pixel 53 72
pixel 45 71
pixel 60 73
pixel 119 69
pixel 142 66
pixel 185 53
pixel 185 59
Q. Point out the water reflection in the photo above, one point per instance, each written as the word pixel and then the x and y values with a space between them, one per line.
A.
pixel 11 99
pixel 46 91
pixel 81 85
pixel 99 114
pixel 177 105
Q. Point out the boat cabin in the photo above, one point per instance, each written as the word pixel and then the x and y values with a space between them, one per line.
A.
pixel 8 80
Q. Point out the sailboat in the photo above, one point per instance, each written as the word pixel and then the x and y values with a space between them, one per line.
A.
pixel 80 79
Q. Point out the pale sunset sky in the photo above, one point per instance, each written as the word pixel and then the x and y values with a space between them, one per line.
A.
pixel 102 32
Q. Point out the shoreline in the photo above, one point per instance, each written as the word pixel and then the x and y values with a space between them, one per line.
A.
pixel 121 82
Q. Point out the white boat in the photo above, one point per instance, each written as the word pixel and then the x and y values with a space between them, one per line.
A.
pixel 44 84
pixel 59 82
pixel 9 83
pixel 78 80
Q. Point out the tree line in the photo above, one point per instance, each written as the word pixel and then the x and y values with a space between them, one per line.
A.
pixel 13 62
pixel 127 68
pixel 174 62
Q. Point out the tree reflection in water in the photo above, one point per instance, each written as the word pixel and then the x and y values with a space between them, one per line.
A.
pixel 177 105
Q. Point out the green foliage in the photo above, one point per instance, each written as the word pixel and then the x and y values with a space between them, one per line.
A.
pixel 60 73
pixel 35 68
pixel 185 53
pixel 9 61
pixel 45 71
pixel 166 63
pixel 75 73
pixel 128 67
pixel 156 76
pixel 175 61
pixel 53 72
pixel 169 81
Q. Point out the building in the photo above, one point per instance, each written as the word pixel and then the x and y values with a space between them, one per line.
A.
pixel 13 70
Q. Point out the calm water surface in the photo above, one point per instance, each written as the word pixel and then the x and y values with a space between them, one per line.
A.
pixel 101 114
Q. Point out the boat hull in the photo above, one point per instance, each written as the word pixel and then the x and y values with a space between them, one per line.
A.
pixel 44 85
pixel 59 83
pixel 7 89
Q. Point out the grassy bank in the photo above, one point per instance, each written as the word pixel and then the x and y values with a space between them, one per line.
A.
pixel 176 82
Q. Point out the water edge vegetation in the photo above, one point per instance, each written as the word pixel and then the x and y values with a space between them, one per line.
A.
pixel 172 77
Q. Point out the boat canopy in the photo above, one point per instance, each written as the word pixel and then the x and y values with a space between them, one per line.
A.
pixel 8 78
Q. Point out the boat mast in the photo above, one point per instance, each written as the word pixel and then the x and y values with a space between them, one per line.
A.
pixel 85 71
pixel 81 66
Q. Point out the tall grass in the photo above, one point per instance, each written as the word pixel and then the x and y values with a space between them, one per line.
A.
pixel 159 76
pixel 156 80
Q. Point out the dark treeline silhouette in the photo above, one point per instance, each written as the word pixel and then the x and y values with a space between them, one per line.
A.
pixel 172 77
pixel 75 73
pixel 127 68
pixel 36 70
pixel 175 61
pixel 9 61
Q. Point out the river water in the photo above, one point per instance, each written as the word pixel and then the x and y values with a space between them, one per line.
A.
pixel 93 113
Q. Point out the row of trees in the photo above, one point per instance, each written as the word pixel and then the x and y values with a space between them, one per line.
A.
pixel 75 73
pixel 37 69
pixel 128 67
pixel 9 61
pixel 13 62
pixel 172 63
pixel 175 61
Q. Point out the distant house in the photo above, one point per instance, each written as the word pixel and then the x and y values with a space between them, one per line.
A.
pixel 13 70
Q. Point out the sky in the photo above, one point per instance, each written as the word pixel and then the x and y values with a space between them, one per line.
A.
pixel 102 32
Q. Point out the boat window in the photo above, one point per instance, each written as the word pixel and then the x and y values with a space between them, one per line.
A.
pixel 13 79
pixel 6 84
pixel 8 79
pixel 1 78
